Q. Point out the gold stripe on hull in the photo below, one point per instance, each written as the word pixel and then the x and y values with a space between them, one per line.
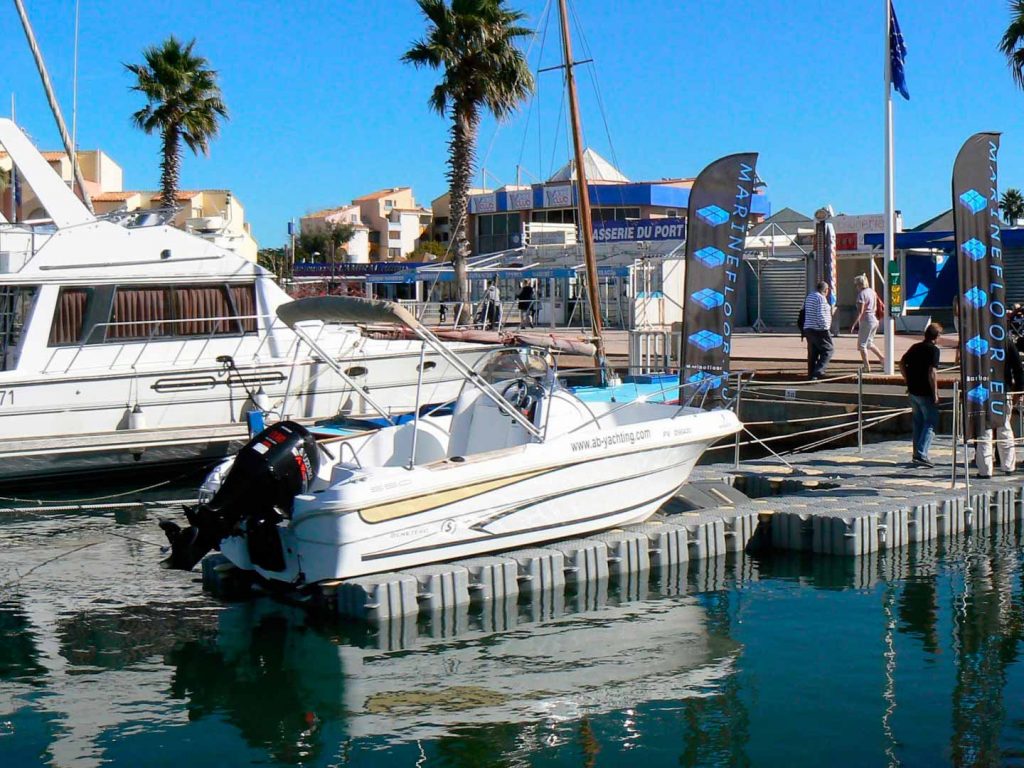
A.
pixel 384 512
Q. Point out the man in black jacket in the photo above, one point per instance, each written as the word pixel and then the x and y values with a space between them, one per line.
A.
pixel 1013 376
pixel 919 366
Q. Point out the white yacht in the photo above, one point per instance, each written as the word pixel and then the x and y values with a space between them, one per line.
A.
pixel 127 342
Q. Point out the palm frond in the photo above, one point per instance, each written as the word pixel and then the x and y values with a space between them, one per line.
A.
pixel 1012 42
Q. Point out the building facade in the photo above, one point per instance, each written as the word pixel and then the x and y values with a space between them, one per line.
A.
pixel 357 249
pixel 213 214
pixel 389 224
pixel 545 213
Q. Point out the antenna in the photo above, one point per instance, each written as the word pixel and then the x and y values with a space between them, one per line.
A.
pixel 52 99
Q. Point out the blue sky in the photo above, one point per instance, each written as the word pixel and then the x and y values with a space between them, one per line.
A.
pixel 322 110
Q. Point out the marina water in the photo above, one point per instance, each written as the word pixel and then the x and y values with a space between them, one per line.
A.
pixel 910 657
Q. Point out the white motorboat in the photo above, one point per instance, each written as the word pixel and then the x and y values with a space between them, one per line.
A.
pixel 516 460
pixel 127 342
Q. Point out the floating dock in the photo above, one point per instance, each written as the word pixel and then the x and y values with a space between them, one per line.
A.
pixel 844 502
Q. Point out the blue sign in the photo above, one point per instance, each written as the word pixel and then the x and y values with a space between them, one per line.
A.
pixel 408 276
pixel 639 230
pixel 612 271
pixel 342 269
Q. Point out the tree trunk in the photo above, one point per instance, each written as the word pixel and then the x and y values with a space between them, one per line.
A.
pixel 169 166
pixel 462 148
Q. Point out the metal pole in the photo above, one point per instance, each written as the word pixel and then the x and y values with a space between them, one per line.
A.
pixel 889 322
pixel 967 464
pixel 585 223
pixel 416 416
pixel 51 97
pixel 739 395
pixel 860 409
pixel 956 432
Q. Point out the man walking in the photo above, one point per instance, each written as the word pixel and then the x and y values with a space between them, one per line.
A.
pixel 918 366
pixel 817 322
pixel 1013 378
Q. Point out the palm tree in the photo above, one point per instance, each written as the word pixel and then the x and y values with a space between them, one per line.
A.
pixel 1012 44
pixel 473 43
pixel 184 105
pixel 1012 206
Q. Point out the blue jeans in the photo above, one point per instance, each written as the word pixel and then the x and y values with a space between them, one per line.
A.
pixel 926 417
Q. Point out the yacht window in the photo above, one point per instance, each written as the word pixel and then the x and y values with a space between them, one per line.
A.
pixel 16 304
pixel 243 298
pixel 204 310
pixel 139 313
pixel 69 317
pixel 126 313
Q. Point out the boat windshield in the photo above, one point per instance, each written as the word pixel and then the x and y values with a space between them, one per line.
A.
pixel 507 364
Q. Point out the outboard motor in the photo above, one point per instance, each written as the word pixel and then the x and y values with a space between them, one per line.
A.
pixel 259 488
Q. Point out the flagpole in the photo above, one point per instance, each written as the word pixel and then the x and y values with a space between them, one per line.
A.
pixel 889 327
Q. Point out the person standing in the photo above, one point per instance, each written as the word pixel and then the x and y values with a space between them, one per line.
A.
pixel 1013 379
pixel 817 322
pixel 492 305
pixel 525 298
pixel 866 324
pixel 919 365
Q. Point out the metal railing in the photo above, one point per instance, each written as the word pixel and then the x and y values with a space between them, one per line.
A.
pixel 443 313
pixel 267 326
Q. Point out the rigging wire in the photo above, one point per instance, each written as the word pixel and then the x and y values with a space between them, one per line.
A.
pixel 588 56
pixel 498 124
pixel 74 105
pixel 542 31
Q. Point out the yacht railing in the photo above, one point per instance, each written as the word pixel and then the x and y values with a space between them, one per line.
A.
pixel 157 335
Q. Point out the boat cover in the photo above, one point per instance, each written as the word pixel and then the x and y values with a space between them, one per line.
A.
pixel 345 309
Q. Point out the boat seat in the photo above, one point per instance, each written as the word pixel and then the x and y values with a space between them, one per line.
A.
pixel 479 426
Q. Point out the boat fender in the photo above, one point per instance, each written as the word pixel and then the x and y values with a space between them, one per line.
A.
pixel 260 400
pixel 136 418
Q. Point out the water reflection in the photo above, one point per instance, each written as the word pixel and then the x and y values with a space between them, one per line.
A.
pixel 284 682
pixel 268 674
pixel 19 657
pixel 987 630
pixel 906 657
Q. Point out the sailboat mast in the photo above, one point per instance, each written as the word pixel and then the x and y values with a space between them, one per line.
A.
pixel 54 106
pixel 583 195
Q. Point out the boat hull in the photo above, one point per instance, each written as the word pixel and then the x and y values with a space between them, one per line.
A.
pixel 538 497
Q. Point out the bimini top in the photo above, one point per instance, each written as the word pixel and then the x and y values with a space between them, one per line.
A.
pixel 345 309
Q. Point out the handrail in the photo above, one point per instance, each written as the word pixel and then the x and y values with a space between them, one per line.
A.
pixel 263 334
pixel 646 397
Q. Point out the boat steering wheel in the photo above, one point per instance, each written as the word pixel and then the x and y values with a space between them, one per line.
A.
pixel 519 392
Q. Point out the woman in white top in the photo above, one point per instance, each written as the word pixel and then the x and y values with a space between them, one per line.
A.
pixel 866 323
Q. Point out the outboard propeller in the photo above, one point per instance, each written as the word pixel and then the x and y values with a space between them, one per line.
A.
pixel 256 494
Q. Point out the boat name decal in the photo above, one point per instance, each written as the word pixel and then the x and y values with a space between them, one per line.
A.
pixel 603 442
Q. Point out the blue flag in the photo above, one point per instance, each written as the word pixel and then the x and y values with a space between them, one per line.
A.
pixel 897 55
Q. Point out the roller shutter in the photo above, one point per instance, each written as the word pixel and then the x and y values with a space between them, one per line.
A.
pixel 783 290
pixel 1013 266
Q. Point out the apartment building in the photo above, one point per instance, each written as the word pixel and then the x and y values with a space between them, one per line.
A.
pixel 213 214
pixel 356 250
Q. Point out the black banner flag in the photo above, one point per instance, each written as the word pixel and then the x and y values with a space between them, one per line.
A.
pixel 982 294
pixel 717 217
